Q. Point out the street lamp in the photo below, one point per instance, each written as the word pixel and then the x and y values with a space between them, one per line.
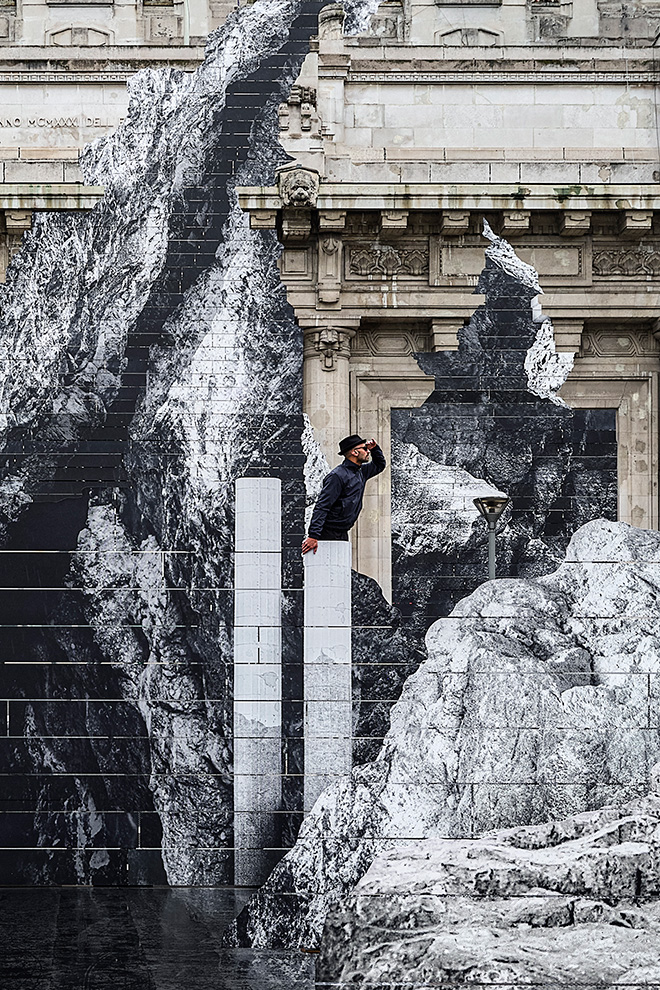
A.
pixel 491 508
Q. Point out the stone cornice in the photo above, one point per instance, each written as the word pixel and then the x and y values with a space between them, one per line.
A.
pixel 49 196
pixel 438 196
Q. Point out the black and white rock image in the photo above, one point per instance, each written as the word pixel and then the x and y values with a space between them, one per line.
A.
pixel 151 359
pixel 538 700
pixel 154 359
pixel 494 424
pixel 571 902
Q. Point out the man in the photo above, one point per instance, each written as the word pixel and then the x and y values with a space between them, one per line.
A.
pixel 340 501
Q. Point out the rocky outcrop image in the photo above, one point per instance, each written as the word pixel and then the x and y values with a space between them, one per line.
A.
pixel 573 902
pixel 538 700
pixel 150 359
pixel 494 424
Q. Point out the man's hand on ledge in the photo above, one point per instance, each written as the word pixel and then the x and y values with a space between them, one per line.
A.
pixel 310 544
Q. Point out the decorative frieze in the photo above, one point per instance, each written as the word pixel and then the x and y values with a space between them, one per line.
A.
pixel 619 343
pixel 386 261
pixel 455 263
pixel 384 344
pixel 535 76
pixel 638 262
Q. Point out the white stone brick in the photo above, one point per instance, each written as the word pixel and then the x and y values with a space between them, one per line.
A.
pixel 445 137
pixel 414 171
pixel 360 137
pixel 556 137
pixel 34 171
pixel 413 116
pixel 547 95
pixel 460 172
pixel 392 137
pixel 504 172
pixel 376 172
pixel 369 115
pixel 562 172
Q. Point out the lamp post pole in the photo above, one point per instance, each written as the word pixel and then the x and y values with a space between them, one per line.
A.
pixel 491 550
pixel 491 508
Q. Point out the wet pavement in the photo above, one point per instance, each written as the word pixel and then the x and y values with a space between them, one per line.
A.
pixel 134 939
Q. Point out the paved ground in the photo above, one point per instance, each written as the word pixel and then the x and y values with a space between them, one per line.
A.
pixel 133 939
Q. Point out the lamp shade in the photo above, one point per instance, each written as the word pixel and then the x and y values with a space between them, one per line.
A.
pixel 491 507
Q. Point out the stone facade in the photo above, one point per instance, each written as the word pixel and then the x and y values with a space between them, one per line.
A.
pixel 64 67
pixel 442 115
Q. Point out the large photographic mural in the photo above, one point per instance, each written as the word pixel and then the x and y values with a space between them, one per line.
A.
pixel 151 360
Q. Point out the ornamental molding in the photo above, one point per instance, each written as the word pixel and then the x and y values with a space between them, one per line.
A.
pixel 622 343
pixel 381 344
pixel 385 261
pixel 639 262
pixel 67 77
pixel 490 76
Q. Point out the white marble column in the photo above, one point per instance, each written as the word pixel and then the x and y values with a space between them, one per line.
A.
pixel 257 676
pixel 327 656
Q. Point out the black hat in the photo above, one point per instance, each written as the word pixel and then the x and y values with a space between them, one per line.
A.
pixel 349 442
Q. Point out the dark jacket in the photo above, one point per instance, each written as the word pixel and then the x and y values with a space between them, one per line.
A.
pixel 340 501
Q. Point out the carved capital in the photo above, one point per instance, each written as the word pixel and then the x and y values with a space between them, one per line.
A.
pixel 332 220
pixel 330 344
pixel 18 220
pixel 568 333
pixel 296 225
pixel 263 219
pixel 444 333
pixel 394 220
pixel 455 222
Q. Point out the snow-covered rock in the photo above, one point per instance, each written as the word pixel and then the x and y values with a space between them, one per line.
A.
pixel 538 700
pixel 571 902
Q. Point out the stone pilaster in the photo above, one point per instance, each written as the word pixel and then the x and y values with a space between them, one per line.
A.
pixel 326 387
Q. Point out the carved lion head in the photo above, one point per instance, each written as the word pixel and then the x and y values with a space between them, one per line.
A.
pixel 298 187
